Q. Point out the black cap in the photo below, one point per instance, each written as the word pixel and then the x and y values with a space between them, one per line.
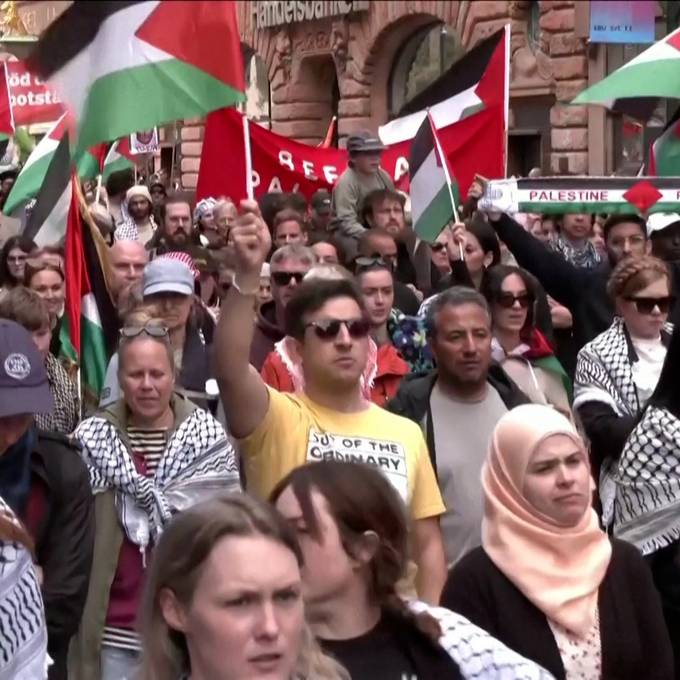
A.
pixel 8 174
pixel 321 201
pixel 23 379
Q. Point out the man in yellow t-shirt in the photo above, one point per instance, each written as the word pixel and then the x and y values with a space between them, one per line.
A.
pixel 327 323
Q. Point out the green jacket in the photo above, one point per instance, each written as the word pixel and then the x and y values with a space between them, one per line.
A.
pixel 85 652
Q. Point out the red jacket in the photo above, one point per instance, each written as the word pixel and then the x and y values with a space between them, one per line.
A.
pixel 391 368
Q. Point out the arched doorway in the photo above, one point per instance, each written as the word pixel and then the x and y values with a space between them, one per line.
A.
pixel 424 57
pixel 318 74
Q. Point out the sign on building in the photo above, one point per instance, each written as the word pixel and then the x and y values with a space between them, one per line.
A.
pixel 270 13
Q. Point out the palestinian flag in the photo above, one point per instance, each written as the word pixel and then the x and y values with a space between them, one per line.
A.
pixel 432 194
pixel 89 331
pixel 6 116
pixel 90 162
pixel 653 73
pixel 32 175
pixel 664 152
pixel 118 158
pixel 128 66
pixel 559 195
pixel 477 81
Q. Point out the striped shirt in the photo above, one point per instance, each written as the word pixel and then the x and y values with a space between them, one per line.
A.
pixel 150 444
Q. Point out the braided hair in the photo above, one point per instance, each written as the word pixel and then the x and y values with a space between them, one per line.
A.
pixel 632 274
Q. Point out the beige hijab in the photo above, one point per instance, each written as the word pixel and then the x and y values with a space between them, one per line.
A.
pixel 559 569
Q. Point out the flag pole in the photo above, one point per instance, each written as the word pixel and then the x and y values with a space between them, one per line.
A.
pixel 506 98
pixel 248 158
pixel 447 175
pixel 99 188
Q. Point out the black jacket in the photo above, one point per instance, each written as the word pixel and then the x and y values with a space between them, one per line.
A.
pixel 64 540
pixel 634 639
pixel 583 291
pixel 606 430
pixel 413 399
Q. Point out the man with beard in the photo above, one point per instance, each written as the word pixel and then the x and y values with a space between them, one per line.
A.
pixel 140 226
pixel 176 227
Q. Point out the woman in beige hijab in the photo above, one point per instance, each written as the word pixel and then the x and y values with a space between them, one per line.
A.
pixel 547 581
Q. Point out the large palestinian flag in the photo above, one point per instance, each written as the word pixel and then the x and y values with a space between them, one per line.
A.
pixel 653 73
pixel 127 66
pixel 477 81
pixel 432 192
pixel 32 175
pixel 89 332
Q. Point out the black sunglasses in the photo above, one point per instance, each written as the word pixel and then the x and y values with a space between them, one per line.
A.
pixel 134 331
pixel 507 300
pixel 284 278
pixel 437 247
pixel 328 329
pixel 646 305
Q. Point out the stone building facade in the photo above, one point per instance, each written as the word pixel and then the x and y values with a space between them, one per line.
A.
pixel 360 60
pixel 349 64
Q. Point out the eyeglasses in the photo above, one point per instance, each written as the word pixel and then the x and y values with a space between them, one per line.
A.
pixel 646 305
pixel 135 331
pixel 328 329
pixel 284 278
pixel 507 300
pixel 437 247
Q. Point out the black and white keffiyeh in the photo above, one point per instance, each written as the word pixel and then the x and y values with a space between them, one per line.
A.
pixel 198 463
pixel 604 372
pixel 647 508
pixel 23 633
pixel 479 656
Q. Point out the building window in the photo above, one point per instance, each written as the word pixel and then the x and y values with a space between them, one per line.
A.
pixel 258 93
pixel 424 57
pixel 534 26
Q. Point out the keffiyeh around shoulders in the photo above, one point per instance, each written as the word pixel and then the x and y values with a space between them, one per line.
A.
pixel 198 463
pixel 647 506
pixel 23 632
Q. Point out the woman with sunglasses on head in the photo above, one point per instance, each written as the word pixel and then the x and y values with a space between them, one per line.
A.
pixel 223 599
pixel 354 537
pixel 548 581
pixel 617 372
pixel 13 256
pixel 517 345
pixel 150 454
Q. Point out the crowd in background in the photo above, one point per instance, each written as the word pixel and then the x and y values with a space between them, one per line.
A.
pixel 325 448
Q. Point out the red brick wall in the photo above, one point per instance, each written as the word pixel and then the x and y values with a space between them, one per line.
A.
pixel 300 59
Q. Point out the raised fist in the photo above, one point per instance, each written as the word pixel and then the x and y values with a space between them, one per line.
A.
pixel 251 238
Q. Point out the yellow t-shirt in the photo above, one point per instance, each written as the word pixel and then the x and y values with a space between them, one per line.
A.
pixel 296 431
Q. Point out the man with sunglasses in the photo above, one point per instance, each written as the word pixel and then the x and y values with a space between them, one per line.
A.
pixel 458 406
pixel 331 418
pixel 288 266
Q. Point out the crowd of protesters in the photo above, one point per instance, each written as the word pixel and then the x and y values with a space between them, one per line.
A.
pixel 325 449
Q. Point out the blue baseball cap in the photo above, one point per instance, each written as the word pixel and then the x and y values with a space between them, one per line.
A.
pixel 23 380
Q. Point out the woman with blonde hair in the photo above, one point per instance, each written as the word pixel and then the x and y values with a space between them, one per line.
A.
pixel 617 371
pixel 224 599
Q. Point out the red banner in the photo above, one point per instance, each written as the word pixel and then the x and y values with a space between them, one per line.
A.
pixel 472 145
pixel 32 100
